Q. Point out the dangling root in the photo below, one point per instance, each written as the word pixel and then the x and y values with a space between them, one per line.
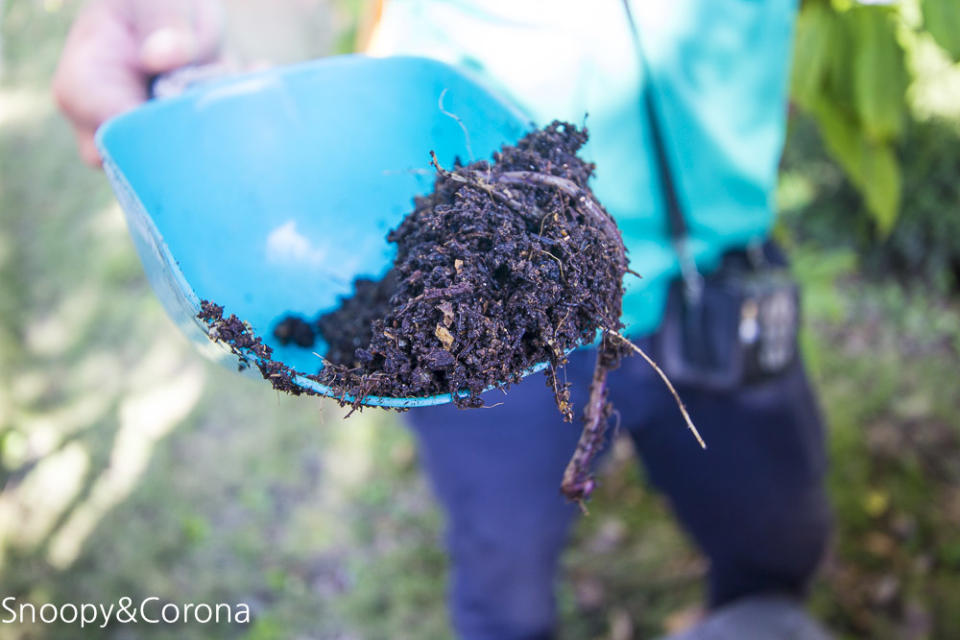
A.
pixel 578 481
pixel 666 381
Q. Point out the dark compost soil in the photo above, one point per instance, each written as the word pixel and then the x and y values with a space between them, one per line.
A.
pixel 506 264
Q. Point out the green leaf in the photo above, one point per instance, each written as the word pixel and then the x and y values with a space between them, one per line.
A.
pixel 881 185
pixel 841 36
pixel 811 54
pixel 841 136
pixel 941 18
pixel 879 73
pixel 871 165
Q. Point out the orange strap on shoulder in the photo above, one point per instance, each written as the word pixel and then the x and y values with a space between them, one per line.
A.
pixel 369 20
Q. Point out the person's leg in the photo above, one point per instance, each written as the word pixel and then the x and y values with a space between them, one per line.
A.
pixel 497 473
pixel 754 500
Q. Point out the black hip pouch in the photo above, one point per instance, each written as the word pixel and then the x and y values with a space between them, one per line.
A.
pixel 740 326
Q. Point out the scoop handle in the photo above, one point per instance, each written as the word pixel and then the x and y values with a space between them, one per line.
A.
pixel 173 83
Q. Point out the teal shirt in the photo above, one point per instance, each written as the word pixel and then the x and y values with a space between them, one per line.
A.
pixel 719 72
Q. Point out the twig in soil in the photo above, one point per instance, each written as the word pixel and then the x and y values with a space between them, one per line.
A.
pixel 550 255
pixel 476 180
pixel 530 179
pixel 570 188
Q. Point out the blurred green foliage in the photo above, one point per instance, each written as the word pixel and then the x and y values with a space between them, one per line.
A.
pixel 819 206
pixel 852 73
pixel 942 19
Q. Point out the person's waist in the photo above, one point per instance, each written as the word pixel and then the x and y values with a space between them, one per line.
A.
pixel 653 251
pixel 656 265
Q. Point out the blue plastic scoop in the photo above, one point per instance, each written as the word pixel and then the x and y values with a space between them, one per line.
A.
pixel 270 193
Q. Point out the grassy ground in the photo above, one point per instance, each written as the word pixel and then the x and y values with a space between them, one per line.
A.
pixel 128 466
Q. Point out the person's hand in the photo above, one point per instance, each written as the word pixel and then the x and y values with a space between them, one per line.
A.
pixel 116 46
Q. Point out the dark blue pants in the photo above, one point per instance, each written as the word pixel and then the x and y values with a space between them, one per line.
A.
pixel 753 501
